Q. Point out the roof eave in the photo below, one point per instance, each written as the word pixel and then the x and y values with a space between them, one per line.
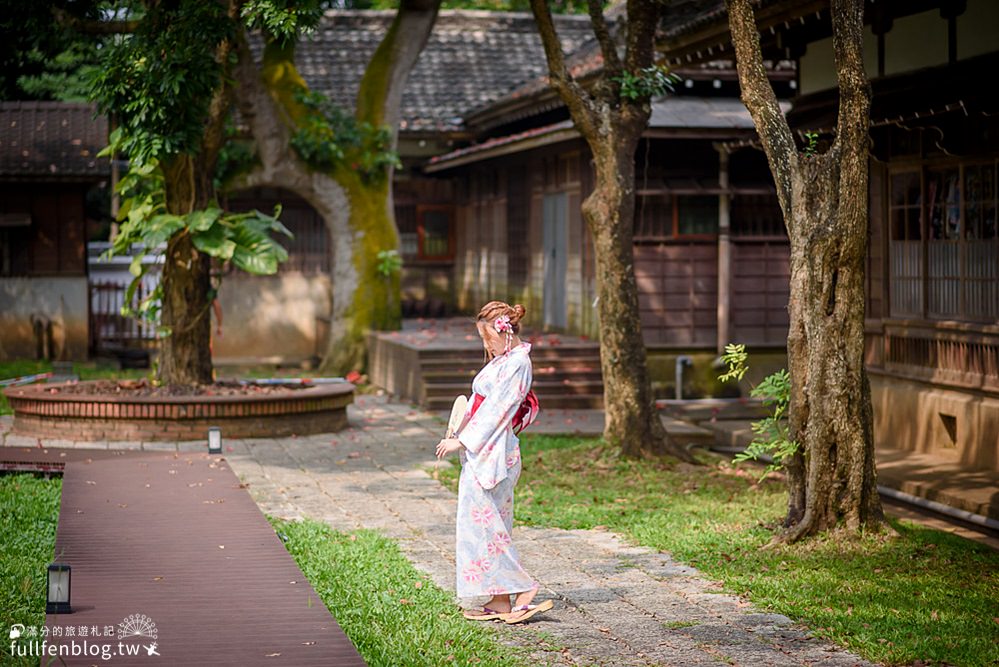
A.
pixel 713 39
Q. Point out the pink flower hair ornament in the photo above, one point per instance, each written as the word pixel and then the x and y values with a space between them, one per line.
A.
pixel 502 324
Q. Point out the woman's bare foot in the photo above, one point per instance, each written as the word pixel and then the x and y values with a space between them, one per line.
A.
pixel 500 603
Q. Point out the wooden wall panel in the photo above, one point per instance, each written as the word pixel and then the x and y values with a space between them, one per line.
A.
pixel 760 290
pixel 678 293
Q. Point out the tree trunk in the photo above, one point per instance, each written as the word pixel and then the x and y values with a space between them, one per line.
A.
pixel 612 126
pixel 632 423
pixel 359 214
pixel 832 481
pixel 185 354
pixel 372 300
pixel 185 357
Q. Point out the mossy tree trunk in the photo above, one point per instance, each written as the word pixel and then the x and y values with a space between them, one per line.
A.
pixel 372 300
pixel 612 125
pixel 358 211
pixel 832 480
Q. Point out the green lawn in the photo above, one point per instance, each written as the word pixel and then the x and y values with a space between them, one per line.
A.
pixel 29 513
pixel 393 613
pixel 924 595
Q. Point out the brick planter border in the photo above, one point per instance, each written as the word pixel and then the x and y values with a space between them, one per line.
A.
pixel 37 413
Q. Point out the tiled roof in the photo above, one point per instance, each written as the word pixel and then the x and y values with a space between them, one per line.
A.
pixel 671 112
pixel 471 59
pixel 700 113
pixel 51 139
pixel 683 16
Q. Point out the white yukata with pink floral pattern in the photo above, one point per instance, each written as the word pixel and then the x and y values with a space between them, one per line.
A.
pixel 487 562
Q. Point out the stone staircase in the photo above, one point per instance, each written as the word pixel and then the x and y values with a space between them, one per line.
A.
pixel 566 375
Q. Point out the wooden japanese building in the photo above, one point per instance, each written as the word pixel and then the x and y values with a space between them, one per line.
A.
pixel 933 271
pixel 48 169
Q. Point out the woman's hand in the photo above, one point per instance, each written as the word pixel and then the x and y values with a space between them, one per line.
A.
pixel 448 446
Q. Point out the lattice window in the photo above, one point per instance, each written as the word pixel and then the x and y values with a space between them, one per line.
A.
pixel 664 216
pixel 756 215
pixel 943 245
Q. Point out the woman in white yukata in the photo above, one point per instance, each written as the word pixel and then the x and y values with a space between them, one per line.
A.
pixel 487 563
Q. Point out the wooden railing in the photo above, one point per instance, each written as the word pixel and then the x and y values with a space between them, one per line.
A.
pixel 110 331
pixel 948 354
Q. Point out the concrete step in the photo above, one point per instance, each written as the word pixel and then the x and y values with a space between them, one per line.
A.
pixel 713 409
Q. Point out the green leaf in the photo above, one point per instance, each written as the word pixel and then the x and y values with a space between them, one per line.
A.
pixel 160 228
pixel 214 242
pixel 255 251
pixel 135 266
pixel 200 221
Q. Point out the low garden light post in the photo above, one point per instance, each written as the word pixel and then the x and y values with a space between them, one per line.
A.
pixel 58 595
pixel 214 440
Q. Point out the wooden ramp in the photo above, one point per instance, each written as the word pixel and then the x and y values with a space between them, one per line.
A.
pixel 176 539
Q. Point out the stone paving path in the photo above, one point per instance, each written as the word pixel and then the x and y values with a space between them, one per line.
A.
pixel 616 604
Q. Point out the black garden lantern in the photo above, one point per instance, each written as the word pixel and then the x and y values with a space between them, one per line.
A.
pixel 214 440
pixel 58 595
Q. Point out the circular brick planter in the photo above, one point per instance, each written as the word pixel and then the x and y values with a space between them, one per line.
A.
pixel 80 416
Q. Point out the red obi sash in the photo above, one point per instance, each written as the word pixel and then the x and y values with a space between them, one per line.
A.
pixel 526 413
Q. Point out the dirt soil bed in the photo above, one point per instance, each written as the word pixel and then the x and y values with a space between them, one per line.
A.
pixel 135 388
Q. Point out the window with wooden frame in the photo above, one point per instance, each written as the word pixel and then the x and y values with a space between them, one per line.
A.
pixel 943 241
pixel 756 215
pixel 405 222
pixel 660 217
pixel 905 244
pixel 435 232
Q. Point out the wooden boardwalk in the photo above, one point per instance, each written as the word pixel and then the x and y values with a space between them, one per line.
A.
pixel 177 539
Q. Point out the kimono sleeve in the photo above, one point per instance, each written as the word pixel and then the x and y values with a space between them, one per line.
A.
pixel 489 424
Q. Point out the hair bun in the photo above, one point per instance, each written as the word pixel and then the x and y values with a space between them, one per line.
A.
pixel 518 313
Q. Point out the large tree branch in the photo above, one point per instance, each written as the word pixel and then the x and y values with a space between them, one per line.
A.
pixel 572 94
pixel 380 94
pixel 852 129
pixel 759 97
pixel 222 100
pixel 612 62
pixel 643 20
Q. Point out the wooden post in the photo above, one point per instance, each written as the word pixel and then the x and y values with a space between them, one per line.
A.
pixel 724 251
